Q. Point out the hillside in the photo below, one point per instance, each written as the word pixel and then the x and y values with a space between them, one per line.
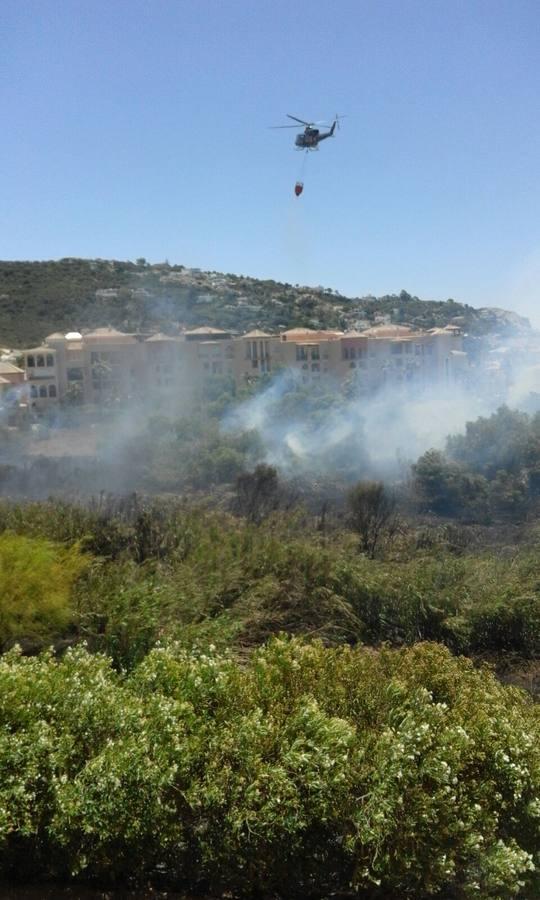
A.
pixel 37 298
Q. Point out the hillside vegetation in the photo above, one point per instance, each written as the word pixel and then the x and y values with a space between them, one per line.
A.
pixel 37 298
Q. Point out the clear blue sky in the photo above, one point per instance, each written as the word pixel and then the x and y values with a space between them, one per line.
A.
pixel 137 128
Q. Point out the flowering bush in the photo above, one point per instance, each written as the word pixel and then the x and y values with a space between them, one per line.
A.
pixel 303 771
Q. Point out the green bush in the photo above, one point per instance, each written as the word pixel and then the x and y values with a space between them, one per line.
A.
pixel 301 772
pixel 36 581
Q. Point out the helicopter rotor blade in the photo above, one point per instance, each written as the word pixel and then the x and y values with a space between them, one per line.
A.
pixel 299 120
pixel 283 126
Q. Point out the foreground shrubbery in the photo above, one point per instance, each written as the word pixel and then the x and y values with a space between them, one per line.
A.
pixel 303 771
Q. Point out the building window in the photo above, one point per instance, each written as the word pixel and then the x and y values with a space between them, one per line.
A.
pixel 50 360
pixel 408 348
pixel 418 349
pixel 75 374
pixel 301 354
pixel 52 390
pixel 345 352
pixel 30 362
pixel 43 391
pixel 315 367
pixel 315 354
pixel 254 363
pixel 41 361
pixel 305 366
pixel 33 390
pixel 352 365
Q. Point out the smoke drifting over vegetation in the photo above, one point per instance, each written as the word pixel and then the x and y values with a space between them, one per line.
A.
pixel 320 429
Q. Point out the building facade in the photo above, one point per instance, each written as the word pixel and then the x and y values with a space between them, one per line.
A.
pixel 109 366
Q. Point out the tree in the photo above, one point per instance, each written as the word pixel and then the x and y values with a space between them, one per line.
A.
pixel 500 441
pixel 508 494
pixel 372 514
pixel 447 488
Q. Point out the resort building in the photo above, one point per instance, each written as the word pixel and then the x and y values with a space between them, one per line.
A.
pixel 109 366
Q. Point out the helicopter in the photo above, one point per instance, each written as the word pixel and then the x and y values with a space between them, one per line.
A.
pixel 311 136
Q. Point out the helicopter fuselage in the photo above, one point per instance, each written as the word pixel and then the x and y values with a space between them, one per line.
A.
pixel 311 138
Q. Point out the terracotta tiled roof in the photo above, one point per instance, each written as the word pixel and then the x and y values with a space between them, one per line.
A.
pixel 389 331
pixel 160 337
pixel 109 334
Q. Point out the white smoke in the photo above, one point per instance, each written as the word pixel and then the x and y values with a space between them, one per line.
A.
pixel 378 435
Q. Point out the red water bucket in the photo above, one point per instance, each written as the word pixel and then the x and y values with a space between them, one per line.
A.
pixel 298 188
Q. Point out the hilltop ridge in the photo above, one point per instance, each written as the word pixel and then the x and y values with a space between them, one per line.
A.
pixel 39 297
